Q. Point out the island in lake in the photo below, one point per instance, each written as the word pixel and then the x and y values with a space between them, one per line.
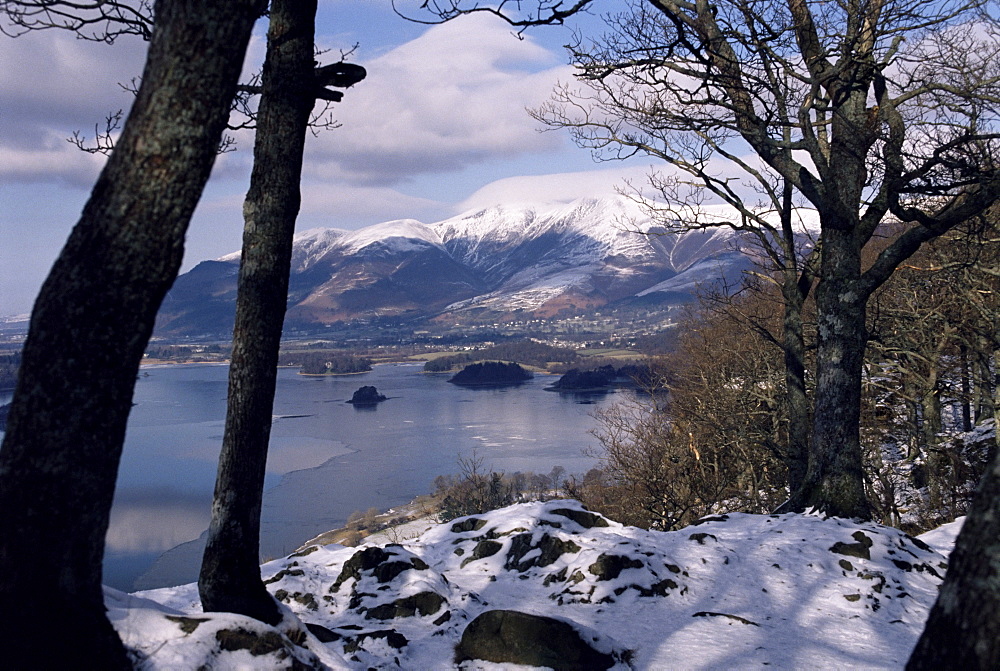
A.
pixel 603 378
pixel 367 395
pixel 490 373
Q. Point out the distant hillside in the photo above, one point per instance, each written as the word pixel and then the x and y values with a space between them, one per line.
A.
pixel 492 264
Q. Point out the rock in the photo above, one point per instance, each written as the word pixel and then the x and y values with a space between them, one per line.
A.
pixel 322 633
pixel 381 564
pixel 584 518
pixel 549 547
pixel 468 524
pixel 393 638
pixel 367 395
pixel 255 643
pixel 512 637
pixel 484 548
pixel 861 549
pixel 424 603
pixel 610 566
pixel 736 618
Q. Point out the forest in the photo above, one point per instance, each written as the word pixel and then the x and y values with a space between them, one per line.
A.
pixel 527 352
pixel 325 363
pixel 711 435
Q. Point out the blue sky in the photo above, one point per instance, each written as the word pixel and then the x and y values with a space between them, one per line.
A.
pixel 438 127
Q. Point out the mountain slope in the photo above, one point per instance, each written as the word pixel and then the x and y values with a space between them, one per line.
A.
pixel 492 263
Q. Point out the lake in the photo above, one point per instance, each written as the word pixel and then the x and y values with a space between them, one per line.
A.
pixel 327 458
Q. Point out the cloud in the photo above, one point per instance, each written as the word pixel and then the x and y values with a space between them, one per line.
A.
pixel 556 188
pixel 54 84
pixel 453 97
pixel 348 206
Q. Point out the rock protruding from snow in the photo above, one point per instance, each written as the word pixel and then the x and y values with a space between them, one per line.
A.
pixel 512 637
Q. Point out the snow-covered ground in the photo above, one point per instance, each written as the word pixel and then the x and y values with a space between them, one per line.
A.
pixel 734 591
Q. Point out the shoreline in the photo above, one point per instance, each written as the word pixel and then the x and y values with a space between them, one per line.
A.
pixel 359 372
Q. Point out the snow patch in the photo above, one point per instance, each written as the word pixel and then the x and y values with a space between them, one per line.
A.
pixel 737 590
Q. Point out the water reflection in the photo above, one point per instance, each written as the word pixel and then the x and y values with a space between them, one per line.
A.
pixel 326 458
pixel 178 516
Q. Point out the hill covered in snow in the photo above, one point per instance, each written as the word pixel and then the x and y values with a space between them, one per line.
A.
pixel 785 591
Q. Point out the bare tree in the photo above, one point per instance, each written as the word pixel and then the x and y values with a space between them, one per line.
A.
pixel 962 628
pixel 89 327
pixel 704 436
pixel 868 109
pixel 230 572
pixel 288 90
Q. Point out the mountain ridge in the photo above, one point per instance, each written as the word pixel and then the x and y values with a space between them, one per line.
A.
pixel 487 264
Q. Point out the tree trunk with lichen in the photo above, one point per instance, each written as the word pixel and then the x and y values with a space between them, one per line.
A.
pixel 834 481
pixel 230 572
pixel 89 328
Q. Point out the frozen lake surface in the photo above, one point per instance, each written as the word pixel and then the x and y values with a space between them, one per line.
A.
pixel 327 457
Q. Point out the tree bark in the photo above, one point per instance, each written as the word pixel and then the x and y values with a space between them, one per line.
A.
pixel 795 288
pixel 90 325
pixel 966 388
pixel 834 482
pixel 796 397
pixel 983 379
pixel 230 571
pixel 963 630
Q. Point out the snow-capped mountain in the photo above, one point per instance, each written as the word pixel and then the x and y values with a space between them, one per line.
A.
pixel 504 260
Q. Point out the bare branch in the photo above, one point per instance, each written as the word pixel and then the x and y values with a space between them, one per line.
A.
pixel 539 13
pixel 98 21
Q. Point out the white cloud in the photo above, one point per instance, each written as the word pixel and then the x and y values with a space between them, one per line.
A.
pixel 53 84
pixel 454 96
pixel 556 188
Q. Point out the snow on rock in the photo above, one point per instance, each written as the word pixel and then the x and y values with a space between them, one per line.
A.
pixel 160 637
pixel 737 590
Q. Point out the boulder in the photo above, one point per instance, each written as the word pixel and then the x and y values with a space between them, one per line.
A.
pixel 512 637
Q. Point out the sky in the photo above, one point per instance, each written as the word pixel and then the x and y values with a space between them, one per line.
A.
pixel 438 127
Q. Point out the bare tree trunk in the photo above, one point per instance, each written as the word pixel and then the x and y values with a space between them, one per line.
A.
pixel 90 325
pixel 963 630
pixel 984 384
pixel 795 288
pixel 834 481
pixel 930 405
pixel 794 347
pixel 230 571
pixel 966 389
